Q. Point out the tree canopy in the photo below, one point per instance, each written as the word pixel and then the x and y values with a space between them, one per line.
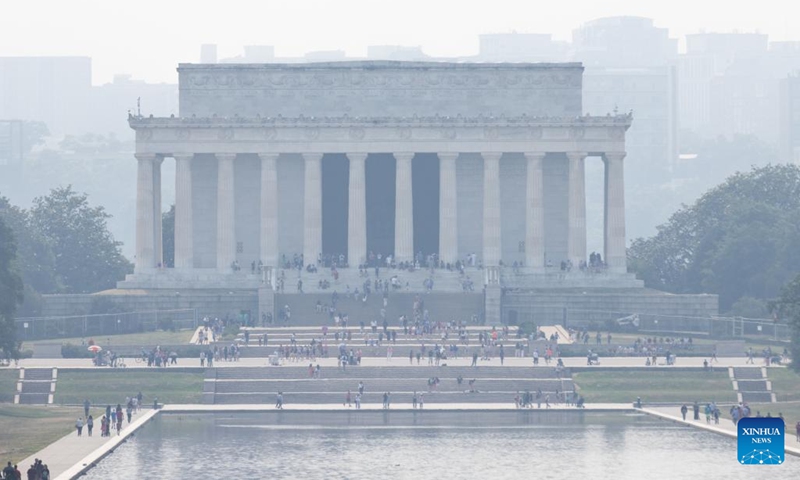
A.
pixel 65 245
pixel 788 308
pixel 10 290
pixel 740 239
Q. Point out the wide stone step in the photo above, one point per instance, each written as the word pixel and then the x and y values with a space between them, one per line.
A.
pixel 34 398
pixel 756 397
pixel 341 386
pixel 290 372
pixel 35 387
pixel 752 385
pixel 38 374
pixel 397 398
pixel 747 373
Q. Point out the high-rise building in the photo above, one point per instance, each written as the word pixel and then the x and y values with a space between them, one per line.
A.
pixel 521 47
pixel 623 42
pixel 54 90
pixel 790 119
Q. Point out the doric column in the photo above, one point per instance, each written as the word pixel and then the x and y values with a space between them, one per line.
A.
pixel 226 234
pixel 576 241
pixel 404 210
pixel 448 208
pixel 184 245
pixel 269 209
pixel 312 208
pixel 357 211
pixel 614 214
pixel 158 250
pixel 534 212
pixel 145 224
pixel 491 208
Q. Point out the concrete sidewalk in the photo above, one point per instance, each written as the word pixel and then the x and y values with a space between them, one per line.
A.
pixel 401 361
pixel 62 455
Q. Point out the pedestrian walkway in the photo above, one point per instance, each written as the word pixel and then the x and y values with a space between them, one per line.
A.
pixel 64 456
pixel 725 427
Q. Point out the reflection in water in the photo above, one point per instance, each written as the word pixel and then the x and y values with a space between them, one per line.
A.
pixel 271 446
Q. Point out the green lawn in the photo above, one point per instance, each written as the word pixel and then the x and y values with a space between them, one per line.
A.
pixel 656 385
pixel 8 384
pixel 785 384
pixel 146 339
pixel 26 429
pixel 112 386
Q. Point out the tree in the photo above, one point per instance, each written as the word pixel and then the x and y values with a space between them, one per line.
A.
pixel 741 238
pixel 168 237
pixel 87 258
pixel 10 291
pixel 788 307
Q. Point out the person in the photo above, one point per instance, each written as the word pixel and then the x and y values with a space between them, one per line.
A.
pixel 638 402
pixel 347 400
pixel 45 473
pixel 89 424
pixel 696 410
pixel 86 405
pixel 8 472
pixel 474 359
pixel 79 425
pixel 797 430
pixel 358 401
pixel 684 411
pixel 414 400
pixel 279 401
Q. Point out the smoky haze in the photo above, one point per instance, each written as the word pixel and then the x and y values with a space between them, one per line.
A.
pixel 666 62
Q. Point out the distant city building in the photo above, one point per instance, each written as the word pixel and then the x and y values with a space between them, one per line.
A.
pixel 790 119
pixel 113 100
pixel 521 47
pixel 54 90
pixel 395 52
pixel 623 42
pixel 208 53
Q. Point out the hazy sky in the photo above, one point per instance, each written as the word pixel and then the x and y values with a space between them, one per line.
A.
pixel 148 38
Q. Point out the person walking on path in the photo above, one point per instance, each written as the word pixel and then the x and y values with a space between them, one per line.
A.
pixel 696 409
pixel 89 424
pixel 684 411
pixel 797 430
pixel 86 405
pixel 79 425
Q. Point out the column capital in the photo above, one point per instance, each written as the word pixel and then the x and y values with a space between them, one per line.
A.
pixel 448 156
pixel 534 155
pixel 492 156
pixel 575 156
pixel 228 157
pixel 147 156
pixel 183 156
pixel 268 156
pixel 357 156
pixel 614 156
pixel 403 156
pixel 312 157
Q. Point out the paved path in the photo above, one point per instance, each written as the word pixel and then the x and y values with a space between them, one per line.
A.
pixel 403 362
pixel 70 451
pixel 726 426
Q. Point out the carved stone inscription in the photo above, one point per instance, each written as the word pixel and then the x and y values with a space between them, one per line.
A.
pixel 380 89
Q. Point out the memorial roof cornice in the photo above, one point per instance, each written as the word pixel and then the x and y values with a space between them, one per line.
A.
pixel 623 120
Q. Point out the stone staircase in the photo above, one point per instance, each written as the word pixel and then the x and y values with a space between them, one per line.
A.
pixel 441 307
pixel 277 336
pixel 411 281
pixel 36 386
pixel 493 384
pixel 752 384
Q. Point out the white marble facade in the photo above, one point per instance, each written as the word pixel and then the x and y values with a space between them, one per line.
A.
pixel 251 140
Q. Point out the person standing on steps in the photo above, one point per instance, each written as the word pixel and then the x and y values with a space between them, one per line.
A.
pixel 279 401
pixel 361 388
pixel 474 359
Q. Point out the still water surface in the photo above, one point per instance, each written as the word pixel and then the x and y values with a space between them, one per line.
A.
pixel 597 447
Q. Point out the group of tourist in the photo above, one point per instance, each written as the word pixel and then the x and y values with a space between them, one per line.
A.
pixel 113 417
pixel 37 471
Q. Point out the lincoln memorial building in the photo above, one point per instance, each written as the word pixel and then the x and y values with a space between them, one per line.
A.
pixel 477 163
